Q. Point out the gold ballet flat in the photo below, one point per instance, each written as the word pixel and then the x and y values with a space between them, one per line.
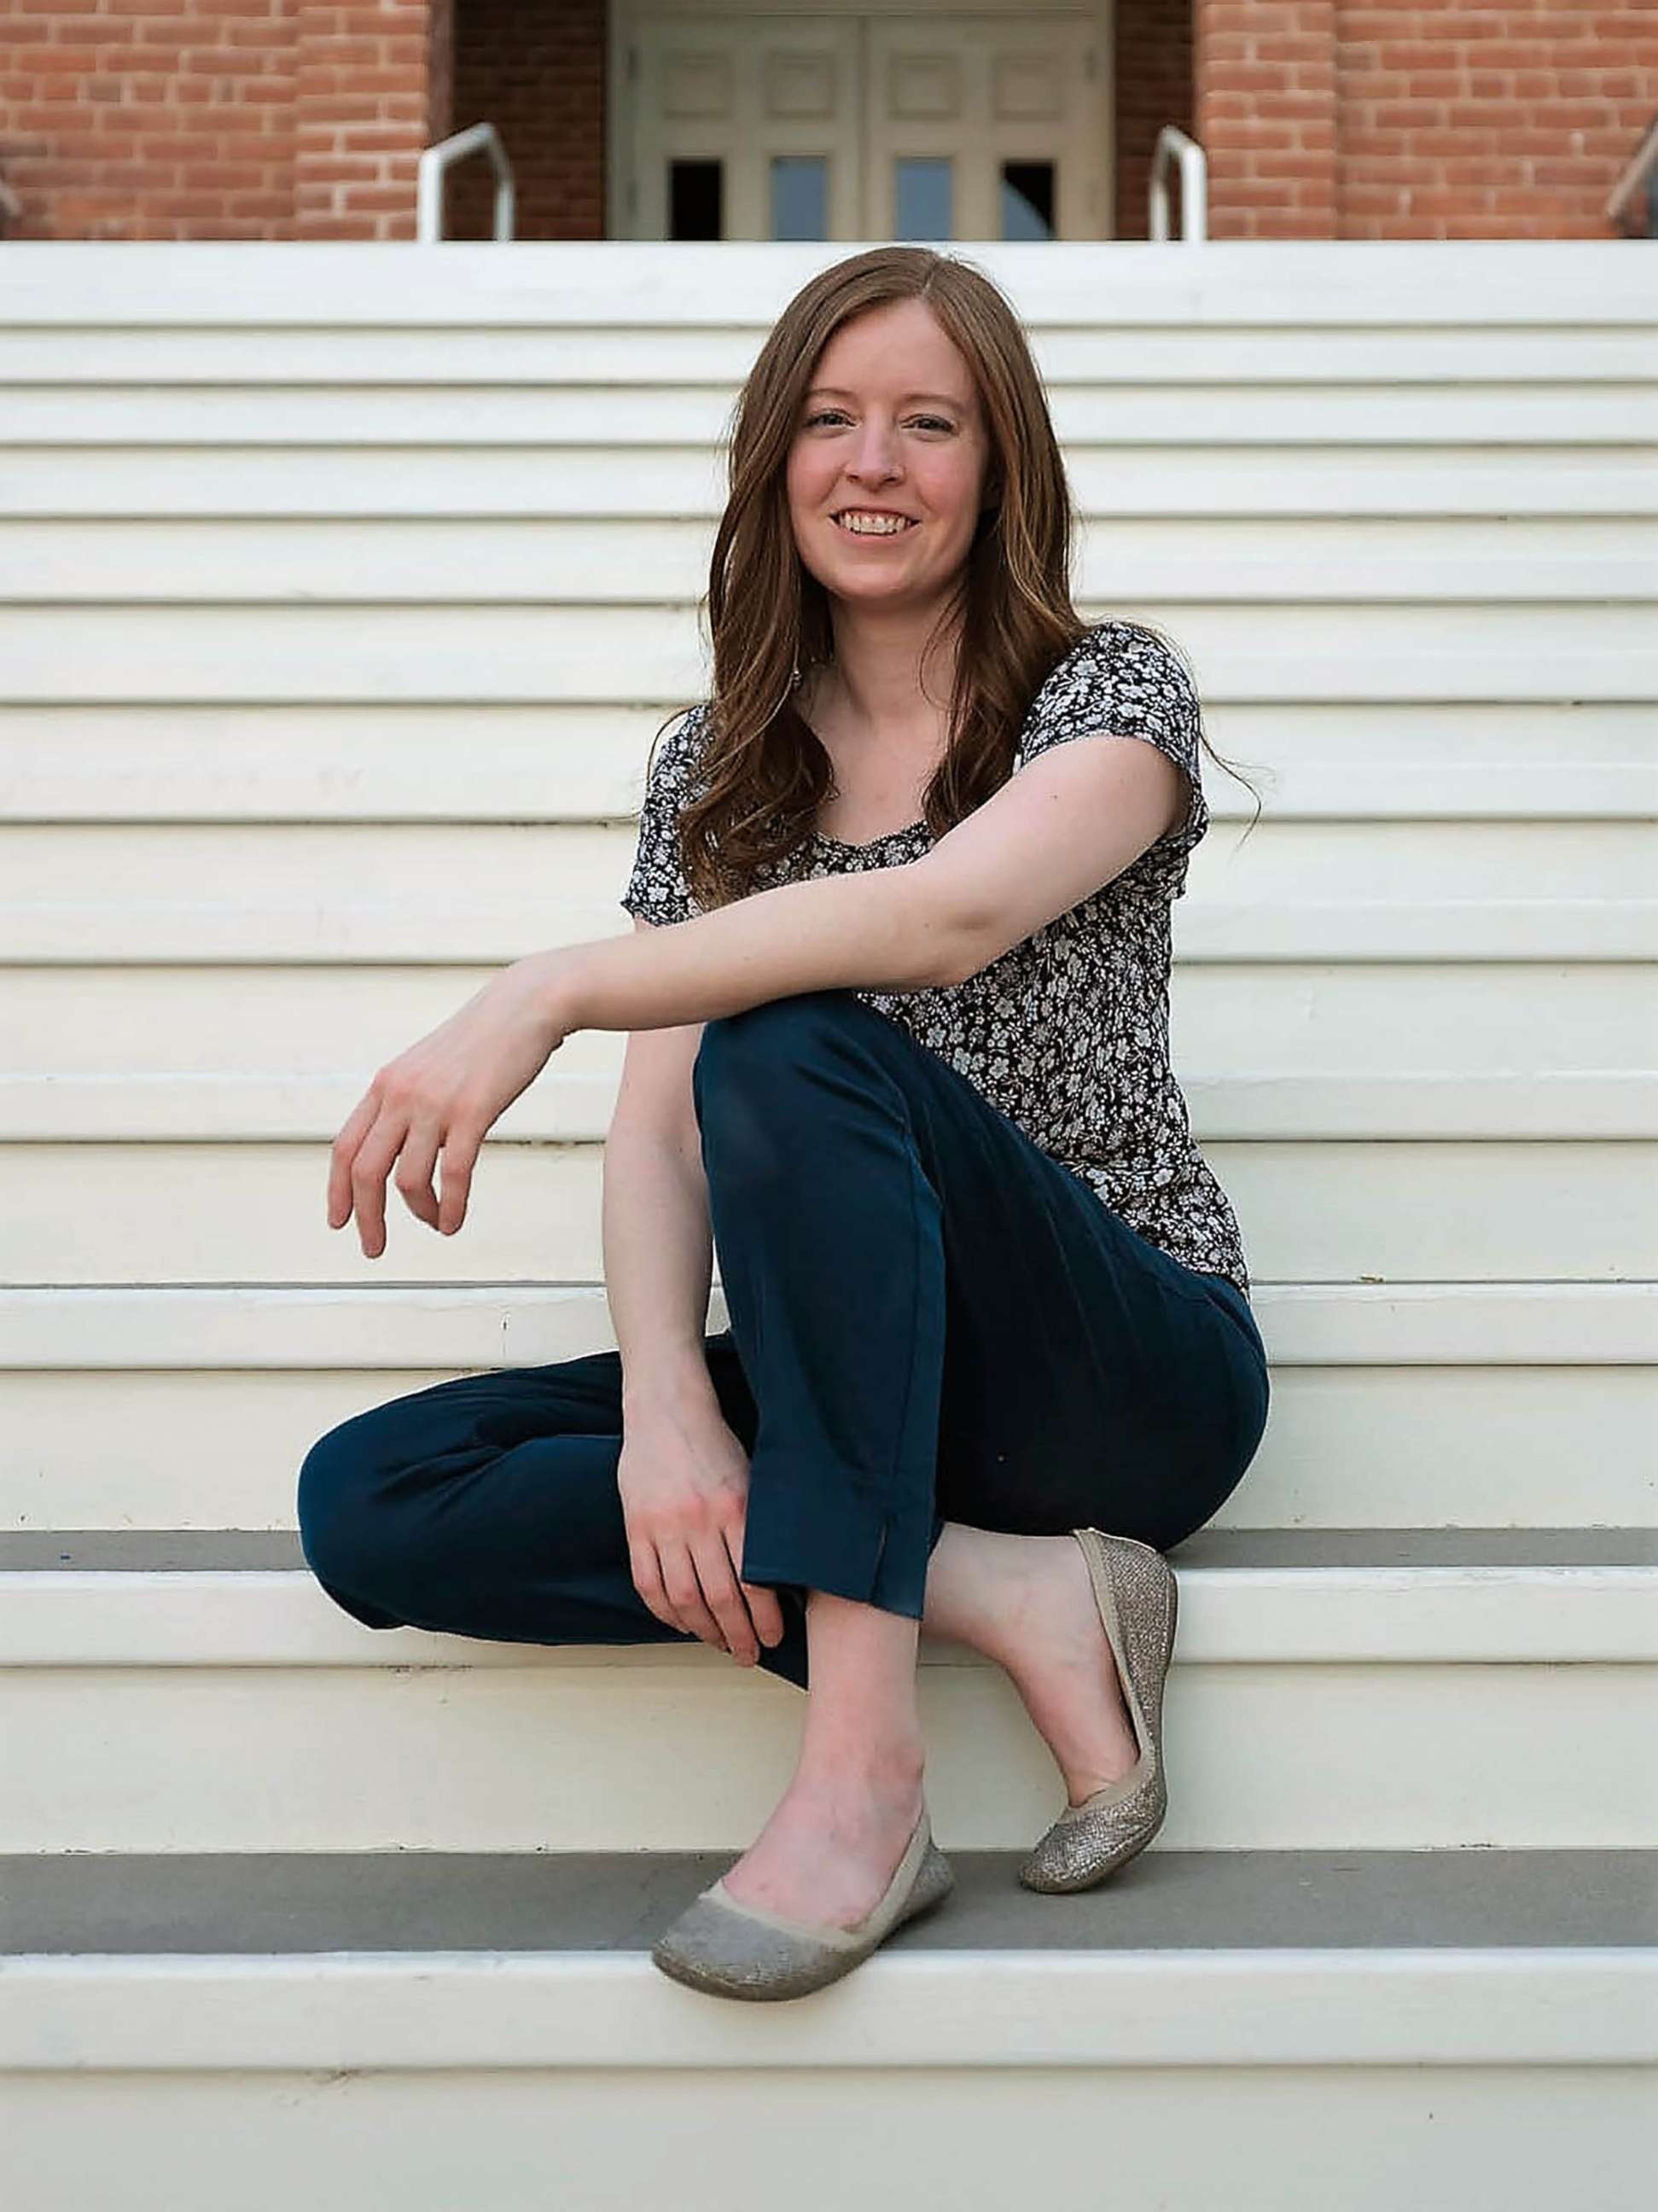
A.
pixel 734 1950
pixel 1135 1591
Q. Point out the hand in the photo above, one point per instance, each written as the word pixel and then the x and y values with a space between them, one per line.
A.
pixel 683 1478
pixel 443 1095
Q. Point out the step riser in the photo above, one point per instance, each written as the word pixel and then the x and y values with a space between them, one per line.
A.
pixel 1508 1443
pixel 1416 1213
pixel 1258 2139
pixel 295 1032
pixel 625 1754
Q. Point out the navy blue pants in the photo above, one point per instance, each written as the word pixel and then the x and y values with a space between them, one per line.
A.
pixel 931 1320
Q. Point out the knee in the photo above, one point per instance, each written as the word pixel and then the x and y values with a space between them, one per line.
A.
pixel 741 1056
pixel 342 1529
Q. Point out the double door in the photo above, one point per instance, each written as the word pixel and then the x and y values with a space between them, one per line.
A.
pixel 863 127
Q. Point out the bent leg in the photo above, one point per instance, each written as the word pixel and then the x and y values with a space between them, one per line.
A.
pixel 939 1321
pixel 486 1505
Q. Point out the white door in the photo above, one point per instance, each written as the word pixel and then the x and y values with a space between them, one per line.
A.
pixel 983 126
pixel 866 126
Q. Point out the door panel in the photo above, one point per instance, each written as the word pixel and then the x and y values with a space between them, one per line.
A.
pixel 866 127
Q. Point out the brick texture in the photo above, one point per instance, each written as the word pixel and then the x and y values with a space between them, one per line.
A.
pixel 219 119
pixel 535 69
pixel 1320 118
pixel 1394 118
pixel 1153 64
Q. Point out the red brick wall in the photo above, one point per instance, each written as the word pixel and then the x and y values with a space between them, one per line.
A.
pixel 1320 118
pixel 535 69
pixel 219 119
pixel 1153 64
pixel 1383 119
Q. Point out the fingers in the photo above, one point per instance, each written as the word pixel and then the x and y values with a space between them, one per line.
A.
pixel 361 1158
pixel 369 1170
pixel 460 1152
pixel 343 1154
pixel 718 1566
pixel 765 1608
pixel 648 1562
pixel 699 1591
pixel 416 1164
pixel 685 1590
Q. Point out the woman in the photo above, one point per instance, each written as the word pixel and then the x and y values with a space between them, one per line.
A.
pixel 898 1005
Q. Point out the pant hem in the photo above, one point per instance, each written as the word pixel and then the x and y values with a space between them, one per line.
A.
pixel 847 1541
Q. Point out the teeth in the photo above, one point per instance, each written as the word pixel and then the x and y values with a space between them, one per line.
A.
pixel 871 525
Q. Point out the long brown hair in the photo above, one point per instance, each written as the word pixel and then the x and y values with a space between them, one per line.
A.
pixel 765 771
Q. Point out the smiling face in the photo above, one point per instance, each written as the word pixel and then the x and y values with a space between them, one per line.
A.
pixel 891 436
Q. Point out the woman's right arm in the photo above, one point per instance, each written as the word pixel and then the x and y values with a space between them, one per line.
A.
pixel 682 1475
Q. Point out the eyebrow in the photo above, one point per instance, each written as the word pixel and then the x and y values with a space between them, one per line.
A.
pixel 840 391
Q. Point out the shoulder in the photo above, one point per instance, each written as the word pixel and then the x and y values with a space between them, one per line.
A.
pixel 679 748
pixel 1127 651
pixel 1116 667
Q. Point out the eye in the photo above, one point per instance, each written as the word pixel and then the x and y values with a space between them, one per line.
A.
pixel 827 413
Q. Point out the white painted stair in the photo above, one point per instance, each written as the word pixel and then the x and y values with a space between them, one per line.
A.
pixel 336 611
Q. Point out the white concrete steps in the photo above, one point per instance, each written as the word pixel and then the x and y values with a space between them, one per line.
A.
pixel 488 2028
pixel 192 1406
pixel 1117 478
pixel 320 585
pixel 1387 1212
pixel 489 654
pixel 581 760
pixel 197 1691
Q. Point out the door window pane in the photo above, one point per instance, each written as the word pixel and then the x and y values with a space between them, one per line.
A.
pixel 695 199
pixel 922 198
pixel 1027 197
pixel 799 196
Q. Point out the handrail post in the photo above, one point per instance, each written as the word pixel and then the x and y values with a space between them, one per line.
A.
pixel 437 160
pixel 1174 145
pixel 1643 171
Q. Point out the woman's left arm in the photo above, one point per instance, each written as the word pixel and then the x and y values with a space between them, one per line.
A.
pixel 885 929
pixel 1065 824
pixel 1060 828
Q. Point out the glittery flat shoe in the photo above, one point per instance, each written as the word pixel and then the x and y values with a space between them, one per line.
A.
pixel 1135 1591
pixel 735 1950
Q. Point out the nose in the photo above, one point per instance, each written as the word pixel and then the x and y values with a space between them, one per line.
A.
pixel 875 457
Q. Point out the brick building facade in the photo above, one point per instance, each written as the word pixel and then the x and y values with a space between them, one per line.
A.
pixel 1319 119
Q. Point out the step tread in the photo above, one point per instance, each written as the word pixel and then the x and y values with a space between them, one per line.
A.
pixel 235 1904
pixel 218 1550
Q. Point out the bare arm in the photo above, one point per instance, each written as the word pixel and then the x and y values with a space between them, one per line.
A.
pixel 886 929
pixel 682 1475
pixel 1067 822
pixel 658 1267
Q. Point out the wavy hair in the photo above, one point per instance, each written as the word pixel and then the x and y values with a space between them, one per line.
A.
pixel 765 772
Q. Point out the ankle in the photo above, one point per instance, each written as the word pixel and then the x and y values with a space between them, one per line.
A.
pixel 983 1587
pixel 892 1777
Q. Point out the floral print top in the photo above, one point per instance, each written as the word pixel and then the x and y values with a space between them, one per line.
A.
pixel 1067 1032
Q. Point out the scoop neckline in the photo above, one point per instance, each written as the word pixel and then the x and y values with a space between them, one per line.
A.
pixel 870 844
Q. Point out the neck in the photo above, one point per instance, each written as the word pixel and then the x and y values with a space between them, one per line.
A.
pixel 877 680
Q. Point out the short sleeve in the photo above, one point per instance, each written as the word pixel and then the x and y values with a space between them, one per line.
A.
pixel 1121 679
pixel 656 891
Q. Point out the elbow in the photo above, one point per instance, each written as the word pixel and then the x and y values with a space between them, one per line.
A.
pixel 959 947
pixel 961 953
pixel 952 935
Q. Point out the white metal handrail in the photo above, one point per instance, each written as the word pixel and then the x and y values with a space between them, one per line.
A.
pixel 1643 171
pixel 1174 145
pixel 438 160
